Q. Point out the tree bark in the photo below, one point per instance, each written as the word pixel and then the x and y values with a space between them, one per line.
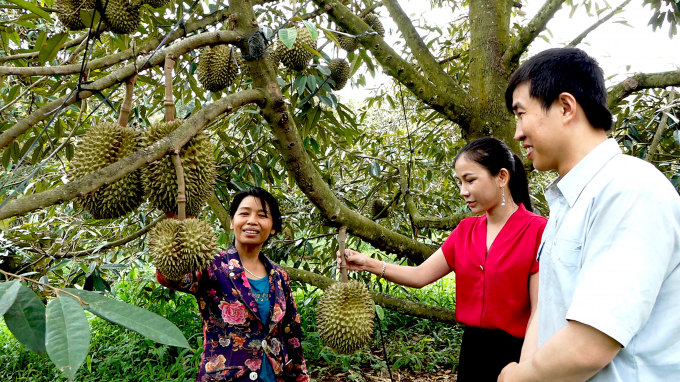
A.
pixel 132 162
pixel 118 76
pixel 641 81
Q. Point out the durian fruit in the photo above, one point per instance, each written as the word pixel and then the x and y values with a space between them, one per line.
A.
pixel 297 58
pixel 344 316
pixel 156 3
pixel 121 16
pixel 216 67
pixel 68 12
pixel 347 43
pixel 160 177
pixel 351 44
pixel 101 146
pixel 374 22
pixel 379 209
pixel 340 72
pixel 181 247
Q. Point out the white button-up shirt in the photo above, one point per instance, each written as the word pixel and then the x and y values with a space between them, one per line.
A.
pixel 610 258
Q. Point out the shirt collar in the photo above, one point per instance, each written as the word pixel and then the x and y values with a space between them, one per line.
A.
pixel 572 184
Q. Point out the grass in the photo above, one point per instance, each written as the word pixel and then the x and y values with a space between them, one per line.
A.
pixel 117 354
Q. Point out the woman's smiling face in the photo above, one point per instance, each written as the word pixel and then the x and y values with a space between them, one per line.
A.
pixel 251 224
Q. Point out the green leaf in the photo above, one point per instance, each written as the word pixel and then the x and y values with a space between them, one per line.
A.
pixel 26 320
pixel 33 8
pixel 676 137
pixel 139 320
pixel 288 36
pixel 312 30
pixel 67 334
pixel 8 293
pixel 374 169
pixel 54 44
pixel 299 84
pixel 380 312
pixel 90 18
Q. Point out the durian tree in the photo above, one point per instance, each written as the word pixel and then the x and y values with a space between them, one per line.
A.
pixel 258 78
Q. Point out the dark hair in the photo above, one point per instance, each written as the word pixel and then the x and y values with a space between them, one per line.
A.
pixel 494 155
pixel 266 199
pixel 564 70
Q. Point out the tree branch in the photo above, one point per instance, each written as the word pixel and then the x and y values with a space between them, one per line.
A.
pixel 641 81
pixel 320 11
pixel 113 59
pixel 420 221
pixel 444 100
pixel 527 34
pixel 112 244
pixel 219 211
pixel 412 308
pixel 420 51
pixel 659 130
pixel 67 45
pixel 117 170
pixel 601 21
pixel 299 165
pixel 118 76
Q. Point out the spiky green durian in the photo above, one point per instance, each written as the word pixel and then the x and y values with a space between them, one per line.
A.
pixel 181 247
pixel 344 316
pixel 68 12
pixel 101 146
pixel 156 3
pixel 374 22
pixel 347 43
pixel 160 177
pixel 121 16
pixel 297 57
pixel 217 67
pixel 340 72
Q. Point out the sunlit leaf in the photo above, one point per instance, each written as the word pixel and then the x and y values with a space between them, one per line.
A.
pixel 67 334
pixel 139 320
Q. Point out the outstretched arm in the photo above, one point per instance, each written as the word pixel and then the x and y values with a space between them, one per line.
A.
pixel 431 270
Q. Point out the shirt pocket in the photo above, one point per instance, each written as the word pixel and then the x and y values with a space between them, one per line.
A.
pixel 566 252
pixel 565 256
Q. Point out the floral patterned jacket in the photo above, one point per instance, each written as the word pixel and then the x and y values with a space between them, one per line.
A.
pixel 234 336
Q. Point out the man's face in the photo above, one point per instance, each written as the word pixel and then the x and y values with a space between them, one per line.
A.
pixel 541 133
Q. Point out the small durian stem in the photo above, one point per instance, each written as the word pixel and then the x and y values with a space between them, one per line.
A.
pixel 181 187
pixel 127 102
pixel 169 103
pixel 342 234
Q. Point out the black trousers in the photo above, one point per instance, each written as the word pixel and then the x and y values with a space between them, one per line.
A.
pixel 485 352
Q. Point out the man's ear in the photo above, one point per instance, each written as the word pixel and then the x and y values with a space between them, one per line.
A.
pixel 231 224
pixel 568 105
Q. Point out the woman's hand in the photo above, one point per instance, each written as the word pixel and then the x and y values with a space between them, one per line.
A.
pixel 356 261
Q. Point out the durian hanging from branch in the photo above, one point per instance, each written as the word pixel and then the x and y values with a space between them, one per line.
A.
pixel 102 145
pixel 179 246
pixel 346 310
pixel 297 46
pixel 197 155
pixel 217 68
pixel 350 43
pixel 118 16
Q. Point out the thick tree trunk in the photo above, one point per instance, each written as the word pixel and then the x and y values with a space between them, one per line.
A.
pixel 489 39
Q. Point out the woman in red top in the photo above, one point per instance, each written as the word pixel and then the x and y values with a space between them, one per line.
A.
pixel 494 257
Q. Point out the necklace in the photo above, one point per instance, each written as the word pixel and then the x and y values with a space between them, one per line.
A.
pixel 258 277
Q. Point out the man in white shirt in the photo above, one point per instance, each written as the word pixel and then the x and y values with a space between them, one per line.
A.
pixel 609 289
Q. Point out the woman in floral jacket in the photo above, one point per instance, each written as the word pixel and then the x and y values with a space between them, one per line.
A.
pixel 251 326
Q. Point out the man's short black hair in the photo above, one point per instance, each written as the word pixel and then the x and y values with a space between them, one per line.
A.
pixel 564 70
